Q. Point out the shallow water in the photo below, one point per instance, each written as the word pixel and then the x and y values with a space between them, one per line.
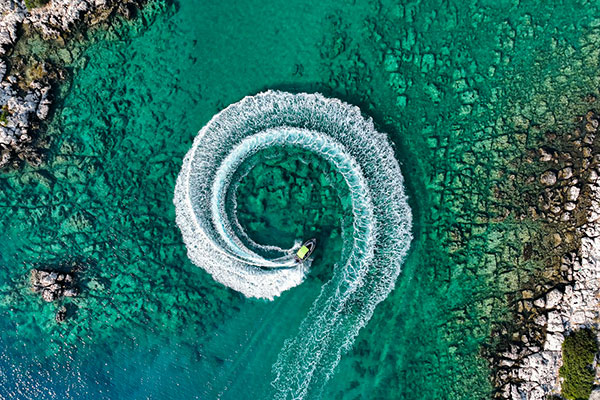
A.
pixel 463 90
pixel 273 212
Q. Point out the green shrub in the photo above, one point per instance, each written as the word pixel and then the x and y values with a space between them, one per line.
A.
pixel 30 4
pixel 578 350
pixel 4 115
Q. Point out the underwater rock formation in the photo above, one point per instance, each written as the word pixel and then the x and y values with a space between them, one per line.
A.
pixel 61 314
pixel 25 84
pixel 53 285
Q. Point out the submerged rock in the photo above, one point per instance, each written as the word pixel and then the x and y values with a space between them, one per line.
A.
pixel 61 314
pixel 70 292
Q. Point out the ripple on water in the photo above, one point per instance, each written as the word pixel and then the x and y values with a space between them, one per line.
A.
pixel 338 133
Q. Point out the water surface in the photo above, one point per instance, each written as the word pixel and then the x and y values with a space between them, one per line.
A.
pixel 462 88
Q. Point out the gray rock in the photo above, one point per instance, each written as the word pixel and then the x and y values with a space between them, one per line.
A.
pixel 52 284
pixel 49 295
pixel 70 292
pixel 48 278
pixel 544 155
pixel 553 298
pixel 55 287
pixel 595 394
pixel 555 323
pixel 540 303
pixel 541 320
pixel 548 178
pixel 565 173
pixel 61 314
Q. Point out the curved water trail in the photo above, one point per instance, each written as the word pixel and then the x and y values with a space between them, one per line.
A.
pixel 380 239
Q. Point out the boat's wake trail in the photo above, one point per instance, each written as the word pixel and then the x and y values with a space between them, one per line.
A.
pixel 381 236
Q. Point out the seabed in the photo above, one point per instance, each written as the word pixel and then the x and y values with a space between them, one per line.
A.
pixel 467 94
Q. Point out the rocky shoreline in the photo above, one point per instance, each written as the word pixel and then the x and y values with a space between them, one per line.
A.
pixel 26 83
pixel 528 367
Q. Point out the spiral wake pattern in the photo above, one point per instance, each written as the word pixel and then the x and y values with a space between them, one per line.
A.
pixel 378 244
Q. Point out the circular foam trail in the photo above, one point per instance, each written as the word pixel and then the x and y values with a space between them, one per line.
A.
pixel 381 236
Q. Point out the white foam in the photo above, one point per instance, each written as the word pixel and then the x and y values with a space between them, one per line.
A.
pixel 382 220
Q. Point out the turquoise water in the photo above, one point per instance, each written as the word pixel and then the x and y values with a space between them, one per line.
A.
pixel 374 246
pixel 464 90
pixel 317 203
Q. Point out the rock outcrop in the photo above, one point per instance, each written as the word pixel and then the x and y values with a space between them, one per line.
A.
pixel 53 285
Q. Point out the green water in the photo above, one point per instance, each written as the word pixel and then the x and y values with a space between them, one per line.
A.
pixel 463 88
pixel 287 194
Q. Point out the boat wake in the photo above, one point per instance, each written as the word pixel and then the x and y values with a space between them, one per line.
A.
pixel 382 219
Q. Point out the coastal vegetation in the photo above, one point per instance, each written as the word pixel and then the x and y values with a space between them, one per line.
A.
pixel 4 113
pixel 579 350
pixel 30 4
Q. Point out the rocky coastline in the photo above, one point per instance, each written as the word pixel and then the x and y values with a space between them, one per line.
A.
pixel 26 83
pixel 528 365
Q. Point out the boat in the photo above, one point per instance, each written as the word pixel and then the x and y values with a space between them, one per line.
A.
pixel 305 250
